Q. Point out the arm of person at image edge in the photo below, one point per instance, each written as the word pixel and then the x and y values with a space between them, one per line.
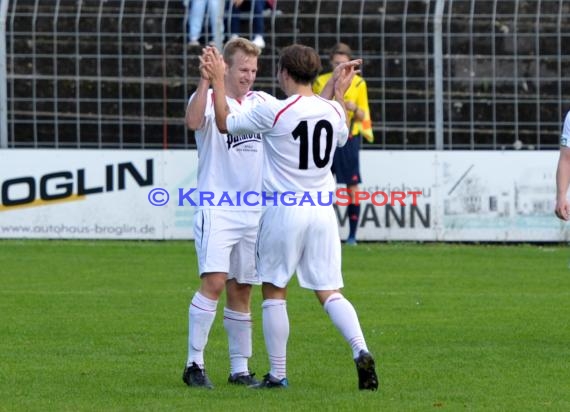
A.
pixel 197 105
pixel 356 100
pixel 562 210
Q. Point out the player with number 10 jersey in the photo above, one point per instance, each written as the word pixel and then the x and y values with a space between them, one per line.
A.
pixel 300 135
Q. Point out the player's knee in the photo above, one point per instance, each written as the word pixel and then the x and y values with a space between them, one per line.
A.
pixel 213 285
pixel 325 295
pixel 239 296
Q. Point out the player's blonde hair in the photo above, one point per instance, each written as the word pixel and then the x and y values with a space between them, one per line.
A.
pixel 239 43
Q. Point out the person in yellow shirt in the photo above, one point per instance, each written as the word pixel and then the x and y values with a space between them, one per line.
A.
pixel 346 163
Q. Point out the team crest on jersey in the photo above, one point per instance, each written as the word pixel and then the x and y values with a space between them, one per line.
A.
pixel 563 141
pixel 243 142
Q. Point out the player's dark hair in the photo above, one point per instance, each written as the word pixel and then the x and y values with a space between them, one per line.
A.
pixel 302 63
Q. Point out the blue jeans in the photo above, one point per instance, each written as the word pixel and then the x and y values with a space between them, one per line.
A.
pixel 196 14
pixel 256 25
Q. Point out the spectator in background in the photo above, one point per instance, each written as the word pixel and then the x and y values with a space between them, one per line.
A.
pixel 256 24
pixel 196 13
pixel 271 7
pixel 562 210
pixel 346 163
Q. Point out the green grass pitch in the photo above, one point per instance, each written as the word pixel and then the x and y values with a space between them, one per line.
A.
pixel 102 326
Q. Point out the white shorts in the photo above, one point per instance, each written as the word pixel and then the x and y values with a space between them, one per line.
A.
pixel 225 242
pixel 304 239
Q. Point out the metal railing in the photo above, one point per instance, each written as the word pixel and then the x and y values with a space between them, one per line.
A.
pixel 445 74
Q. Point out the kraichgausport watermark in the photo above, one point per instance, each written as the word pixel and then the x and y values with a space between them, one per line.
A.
pixel 341 197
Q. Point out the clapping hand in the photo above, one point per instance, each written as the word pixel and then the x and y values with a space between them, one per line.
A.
pixel 212 65
pixel 343 75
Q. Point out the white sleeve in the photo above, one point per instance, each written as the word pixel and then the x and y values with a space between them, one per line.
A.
pixel 565 138
pixel 257 120
pixel 342 135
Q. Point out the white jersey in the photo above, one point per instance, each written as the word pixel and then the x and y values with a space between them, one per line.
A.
pixel 229 164
pixel 300 135
pixel 565 138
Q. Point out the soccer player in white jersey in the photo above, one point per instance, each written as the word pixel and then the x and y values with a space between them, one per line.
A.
pixel 225 234
pixel 562 209
pixel 300 135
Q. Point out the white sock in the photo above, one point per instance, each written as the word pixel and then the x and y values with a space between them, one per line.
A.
pixel 201 315
pixel 276 334
pixel 345 319
pixel 238 326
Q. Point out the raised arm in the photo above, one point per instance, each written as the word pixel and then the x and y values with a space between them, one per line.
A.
pixel 197 105
pixel 328 91
pixel 341 85
pixel 215 67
